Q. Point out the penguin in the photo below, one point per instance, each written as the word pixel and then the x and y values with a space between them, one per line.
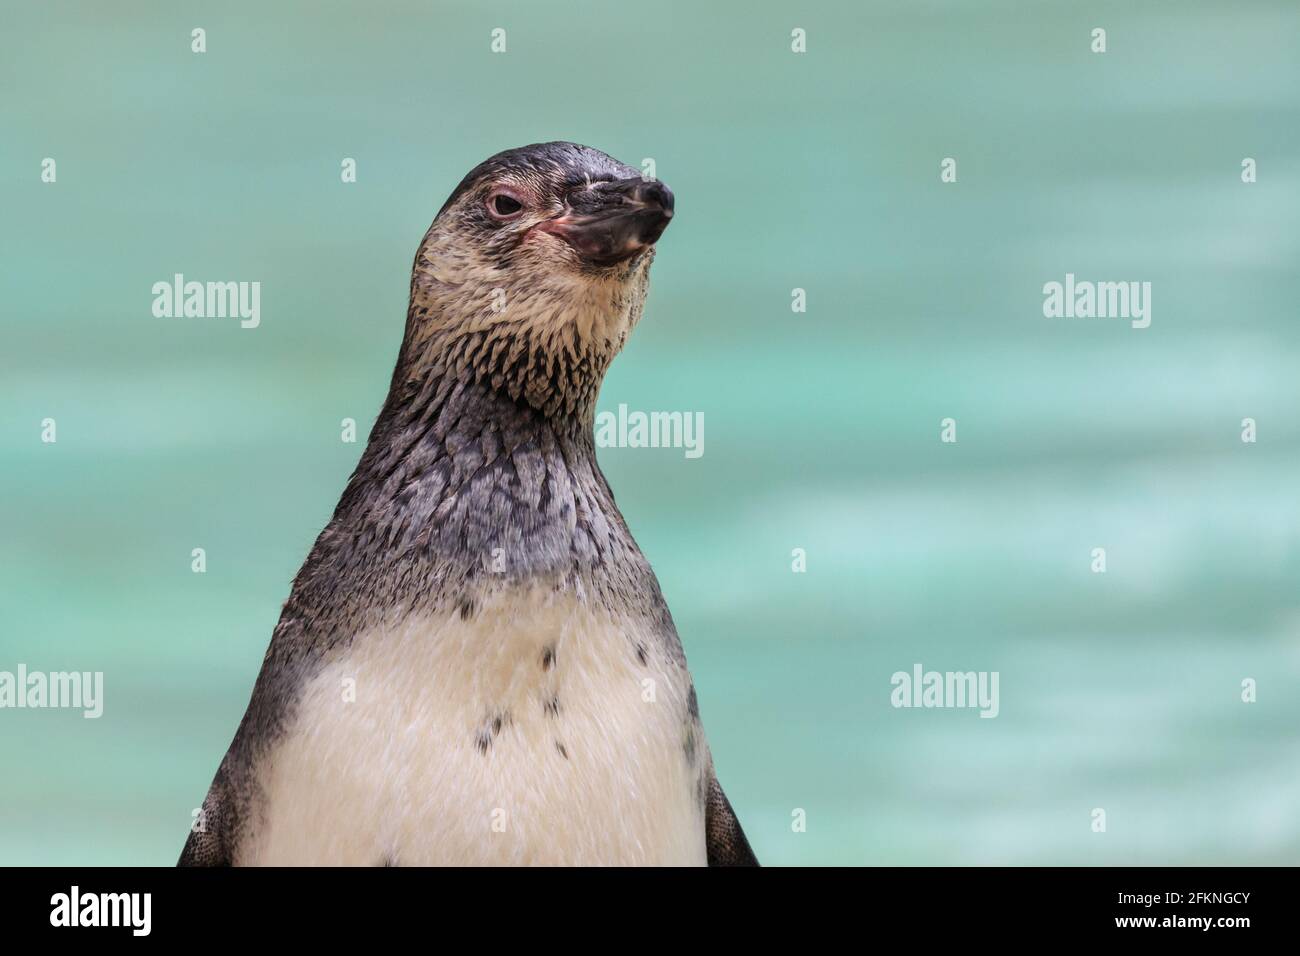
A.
pixel 475 664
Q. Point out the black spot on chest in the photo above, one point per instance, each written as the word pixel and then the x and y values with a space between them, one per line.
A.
pixel 487 733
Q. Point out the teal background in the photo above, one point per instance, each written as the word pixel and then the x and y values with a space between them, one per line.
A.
pixel 819 171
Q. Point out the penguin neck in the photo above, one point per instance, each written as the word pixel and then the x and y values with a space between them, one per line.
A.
pixel 463 475
pixel 549 348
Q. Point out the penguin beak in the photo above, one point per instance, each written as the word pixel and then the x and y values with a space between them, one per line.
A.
pixel 610 222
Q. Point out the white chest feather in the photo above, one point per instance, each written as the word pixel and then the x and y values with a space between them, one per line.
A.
pixel 531 733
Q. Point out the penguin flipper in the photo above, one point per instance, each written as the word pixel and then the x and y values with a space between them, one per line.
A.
pixel 723 835
pixel 209 843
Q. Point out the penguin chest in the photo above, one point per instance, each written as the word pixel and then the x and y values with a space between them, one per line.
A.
pixel 534 730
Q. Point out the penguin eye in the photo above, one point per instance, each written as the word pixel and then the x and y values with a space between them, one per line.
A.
pixel 504 206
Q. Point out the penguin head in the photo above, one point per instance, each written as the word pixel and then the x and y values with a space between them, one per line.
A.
pixel 557 206
pixel 539 260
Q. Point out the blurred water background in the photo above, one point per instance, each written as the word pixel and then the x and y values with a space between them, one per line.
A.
pixel 817 171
